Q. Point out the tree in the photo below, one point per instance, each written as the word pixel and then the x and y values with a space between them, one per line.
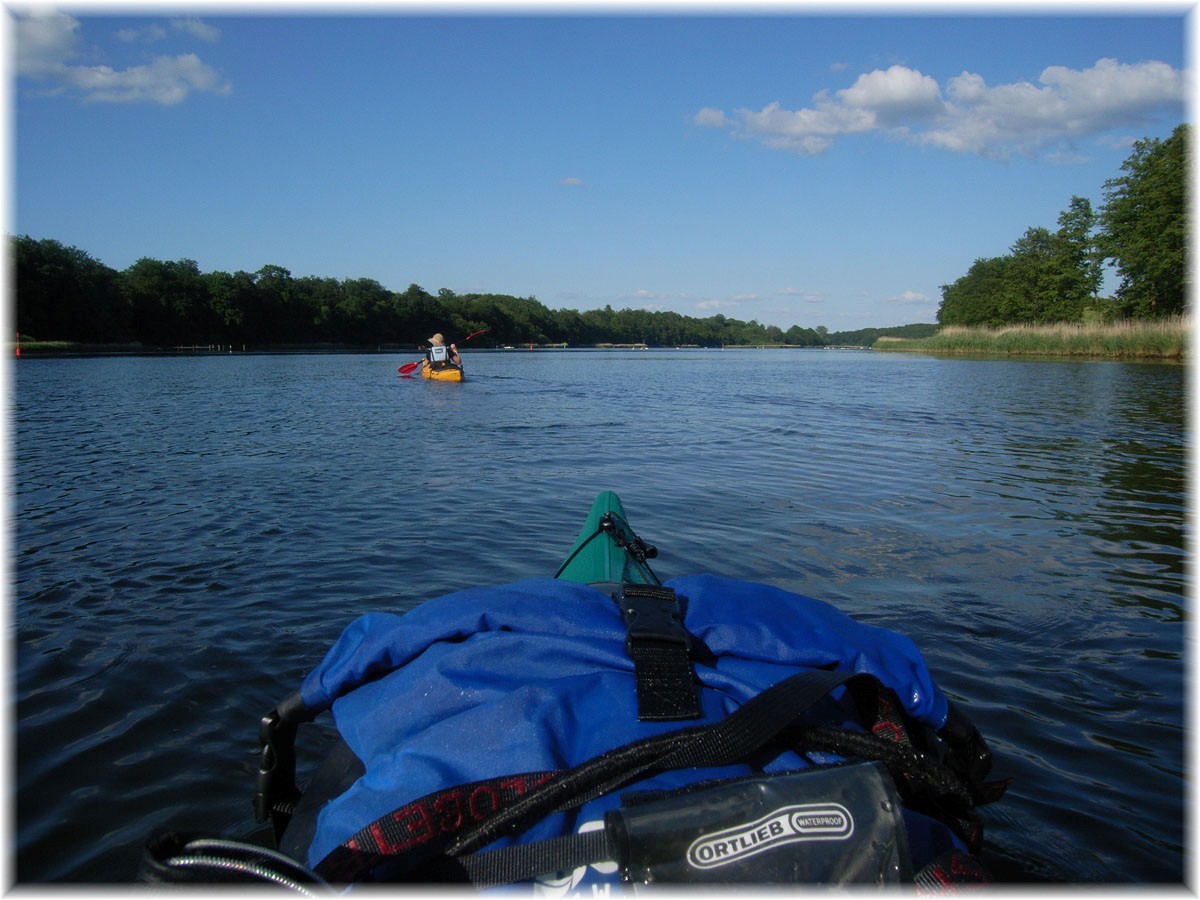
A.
pixel 65 294
pixel 983 297
pixel 1079 261
pixel 320 300
pixel 272 318
pixel 420 313
pixel 169 302
pixel 1055 275
pixel 229 296
pixel 1047 277
pixel 806 337
pixel 1145 226
pixel 373 305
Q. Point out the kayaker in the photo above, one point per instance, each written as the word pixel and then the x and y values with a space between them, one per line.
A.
pixel 438 356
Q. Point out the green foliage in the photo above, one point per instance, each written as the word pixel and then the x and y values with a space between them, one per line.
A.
pixel 1047 277
pixel 986 295
pixel 805 337
pixel 868 337
pixel 1080 261
pixel 1146 226
pixel 64 294
pixel 168 300
pixel 1056 276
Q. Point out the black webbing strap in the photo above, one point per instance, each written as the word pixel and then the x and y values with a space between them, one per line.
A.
pixel 659 646
pixel 521 862
pixel 731 740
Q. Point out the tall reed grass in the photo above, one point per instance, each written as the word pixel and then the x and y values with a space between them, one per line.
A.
pixel 1166 339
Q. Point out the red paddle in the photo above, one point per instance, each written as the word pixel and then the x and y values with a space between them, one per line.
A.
pixel 409 367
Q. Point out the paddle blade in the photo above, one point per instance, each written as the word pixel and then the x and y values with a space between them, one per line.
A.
pixel 408 367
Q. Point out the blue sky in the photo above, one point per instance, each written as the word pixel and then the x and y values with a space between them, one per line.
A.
pixel 788 166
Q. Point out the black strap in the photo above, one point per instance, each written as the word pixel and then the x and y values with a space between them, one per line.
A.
pixel 725 742
pixel 731 740
pixel 659 646
pixel 521 862
pixel 722 743
pixel 276 793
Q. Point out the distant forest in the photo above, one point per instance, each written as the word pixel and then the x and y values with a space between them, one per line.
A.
pixel 63 294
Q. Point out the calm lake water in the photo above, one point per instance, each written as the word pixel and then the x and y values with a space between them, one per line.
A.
pixel 189 535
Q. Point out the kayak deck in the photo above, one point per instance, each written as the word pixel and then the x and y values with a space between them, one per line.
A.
pixel 450 373
pixel 607 549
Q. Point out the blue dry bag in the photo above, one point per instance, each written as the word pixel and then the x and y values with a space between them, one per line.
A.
pixel 539 732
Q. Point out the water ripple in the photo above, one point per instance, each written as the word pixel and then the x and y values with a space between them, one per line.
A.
pixel 192 534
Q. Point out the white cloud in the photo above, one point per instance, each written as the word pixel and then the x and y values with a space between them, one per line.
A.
pixel 911 297
pixel 572 182
pixel 713 118
pixel 802 296
pixel 47 43
pixel 147 35
pixel 193 27
pixel 715 304
pixel 727 302
pixel 166 80
pixel 807 131
pixel 968 115
pixel 43 41
pixel 895 97
pixel 1067 105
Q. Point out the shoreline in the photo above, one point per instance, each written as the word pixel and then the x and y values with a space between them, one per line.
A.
pixel 48 349
pixel 1150 340
pixel 1154 340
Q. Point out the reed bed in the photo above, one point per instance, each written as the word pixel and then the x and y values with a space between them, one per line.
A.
pixel 1166 339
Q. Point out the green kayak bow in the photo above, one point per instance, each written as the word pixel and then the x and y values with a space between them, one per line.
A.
pixel 608 550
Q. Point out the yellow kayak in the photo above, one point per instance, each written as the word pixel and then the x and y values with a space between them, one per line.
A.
pixel 450 373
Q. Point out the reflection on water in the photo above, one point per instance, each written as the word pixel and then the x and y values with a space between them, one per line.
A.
pixel 191 534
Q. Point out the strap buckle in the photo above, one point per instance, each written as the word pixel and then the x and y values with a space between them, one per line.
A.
pixel 651 613
pixel 659 646
pixel 275 793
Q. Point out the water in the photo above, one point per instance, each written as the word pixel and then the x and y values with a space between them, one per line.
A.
pixel 190 534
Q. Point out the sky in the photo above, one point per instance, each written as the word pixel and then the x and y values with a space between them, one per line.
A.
pixel 792 165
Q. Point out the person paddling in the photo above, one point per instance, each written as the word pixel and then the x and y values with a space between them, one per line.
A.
pixel 439 356
pixel 438 347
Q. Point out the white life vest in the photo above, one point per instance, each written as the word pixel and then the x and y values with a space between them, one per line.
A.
pixel 439 353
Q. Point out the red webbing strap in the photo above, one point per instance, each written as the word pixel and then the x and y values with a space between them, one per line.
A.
pixel 464 819
pixel 425 826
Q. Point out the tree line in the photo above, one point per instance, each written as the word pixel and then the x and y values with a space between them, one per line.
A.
pixel 1141 230
pixel 64 294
